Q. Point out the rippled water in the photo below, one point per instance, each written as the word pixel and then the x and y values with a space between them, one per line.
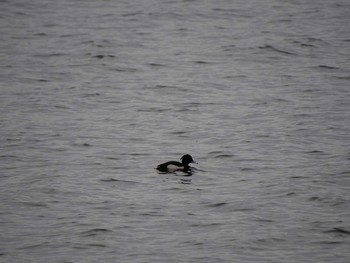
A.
pixel 95 94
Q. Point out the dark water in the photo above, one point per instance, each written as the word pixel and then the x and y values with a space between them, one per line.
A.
pixel 94 94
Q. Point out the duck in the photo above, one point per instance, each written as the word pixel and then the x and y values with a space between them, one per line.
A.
pixel 173 166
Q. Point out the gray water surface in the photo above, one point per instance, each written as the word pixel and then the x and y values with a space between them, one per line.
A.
pixel 95 94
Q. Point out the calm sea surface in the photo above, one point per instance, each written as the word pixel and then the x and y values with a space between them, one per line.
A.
pixel 95 94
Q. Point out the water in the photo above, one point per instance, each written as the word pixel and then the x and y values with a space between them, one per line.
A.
pixel 95 94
